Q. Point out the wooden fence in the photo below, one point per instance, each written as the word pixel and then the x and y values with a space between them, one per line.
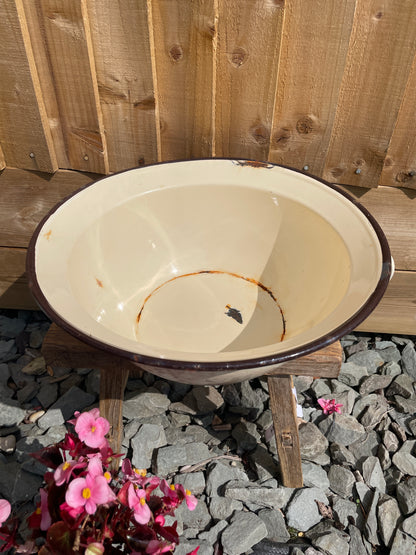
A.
pixel 326 85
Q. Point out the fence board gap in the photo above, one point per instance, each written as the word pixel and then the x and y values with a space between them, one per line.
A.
pixel 382 48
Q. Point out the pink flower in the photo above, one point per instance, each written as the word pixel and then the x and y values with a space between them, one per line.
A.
pixel 137 502
pixel 171 495
pixel 90 491
pixel 156 547
pixel 64 471
pixel 190 499
pixel 329 405
pixel 45 520
pixel 92 428
pixel 174 494
pixel 5 510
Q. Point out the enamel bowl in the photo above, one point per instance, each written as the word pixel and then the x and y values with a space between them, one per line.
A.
pixel 208 271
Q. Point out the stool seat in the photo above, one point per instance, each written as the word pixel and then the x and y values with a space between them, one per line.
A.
pixel 62 349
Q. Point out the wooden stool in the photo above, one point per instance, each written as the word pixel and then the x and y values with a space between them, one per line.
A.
pixel 62 349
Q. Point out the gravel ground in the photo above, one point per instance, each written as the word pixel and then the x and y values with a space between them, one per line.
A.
pixel 359 493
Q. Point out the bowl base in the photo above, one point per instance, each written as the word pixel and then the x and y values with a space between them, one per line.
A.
pixel 210 311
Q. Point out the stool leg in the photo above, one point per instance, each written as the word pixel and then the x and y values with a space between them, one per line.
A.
pixel 283 407
pixel 112 386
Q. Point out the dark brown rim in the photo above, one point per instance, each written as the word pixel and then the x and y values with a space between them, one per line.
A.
pixel 265 361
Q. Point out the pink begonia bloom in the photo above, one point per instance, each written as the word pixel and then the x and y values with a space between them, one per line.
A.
pixel 92 428
pixel 190 499
pixel 90 491
pixel 137 502
pixel 156 547
pixel 45 520
pixel 64 471
pixel 329 405
pixel 5 510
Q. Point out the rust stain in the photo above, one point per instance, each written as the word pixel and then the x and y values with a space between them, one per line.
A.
pixel 99 282
pixel 48 234
pixel 254 164
pixel 232 274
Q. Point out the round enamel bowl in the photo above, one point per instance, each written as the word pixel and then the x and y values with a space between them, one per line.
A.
pixel 208 271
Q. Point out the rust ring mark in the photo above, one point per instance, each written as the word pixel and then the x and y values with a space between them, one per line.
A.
pixel 232 274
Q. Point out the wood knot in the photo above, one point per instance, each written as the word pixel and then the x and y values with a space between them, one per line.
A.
pixel 378 15
pixel 281 138
pixel 260 134
pixel 176 52
pixel 305 125
pixel 147 103
pixel 405 177
pixel 238 57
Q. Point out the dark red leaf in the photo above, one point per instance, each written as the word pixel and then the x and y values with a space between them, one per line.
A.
pixel 49 456
pixel 60 539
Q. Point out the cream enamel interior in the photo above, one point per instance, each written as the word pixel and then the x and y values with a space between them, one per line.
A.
pixel 121 245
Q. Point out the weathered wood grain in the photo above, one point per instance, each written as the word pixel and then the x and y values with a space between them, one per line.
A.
pixel 182 49
pixel 396 312
pixel 248 46
pixel 399 168
pixel 120 37
pixel 283 407
pixel 25 135
pixel 381 52
pixel 327 360
pixel 14 290
pixel 70 54
pixel 63 349
pixel 395 211
pixel 28 196
pixel 312 60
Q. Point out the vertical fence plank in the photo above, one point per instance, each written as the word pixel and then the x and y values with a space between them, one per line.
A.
pixel 24 130
pixel 183 33
pixel 36 30
pixel 312 60
pixel 2 160
pixel 70 54
pixel 122 56
pixel 399 168
pixel 382 47
pixel 249 35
